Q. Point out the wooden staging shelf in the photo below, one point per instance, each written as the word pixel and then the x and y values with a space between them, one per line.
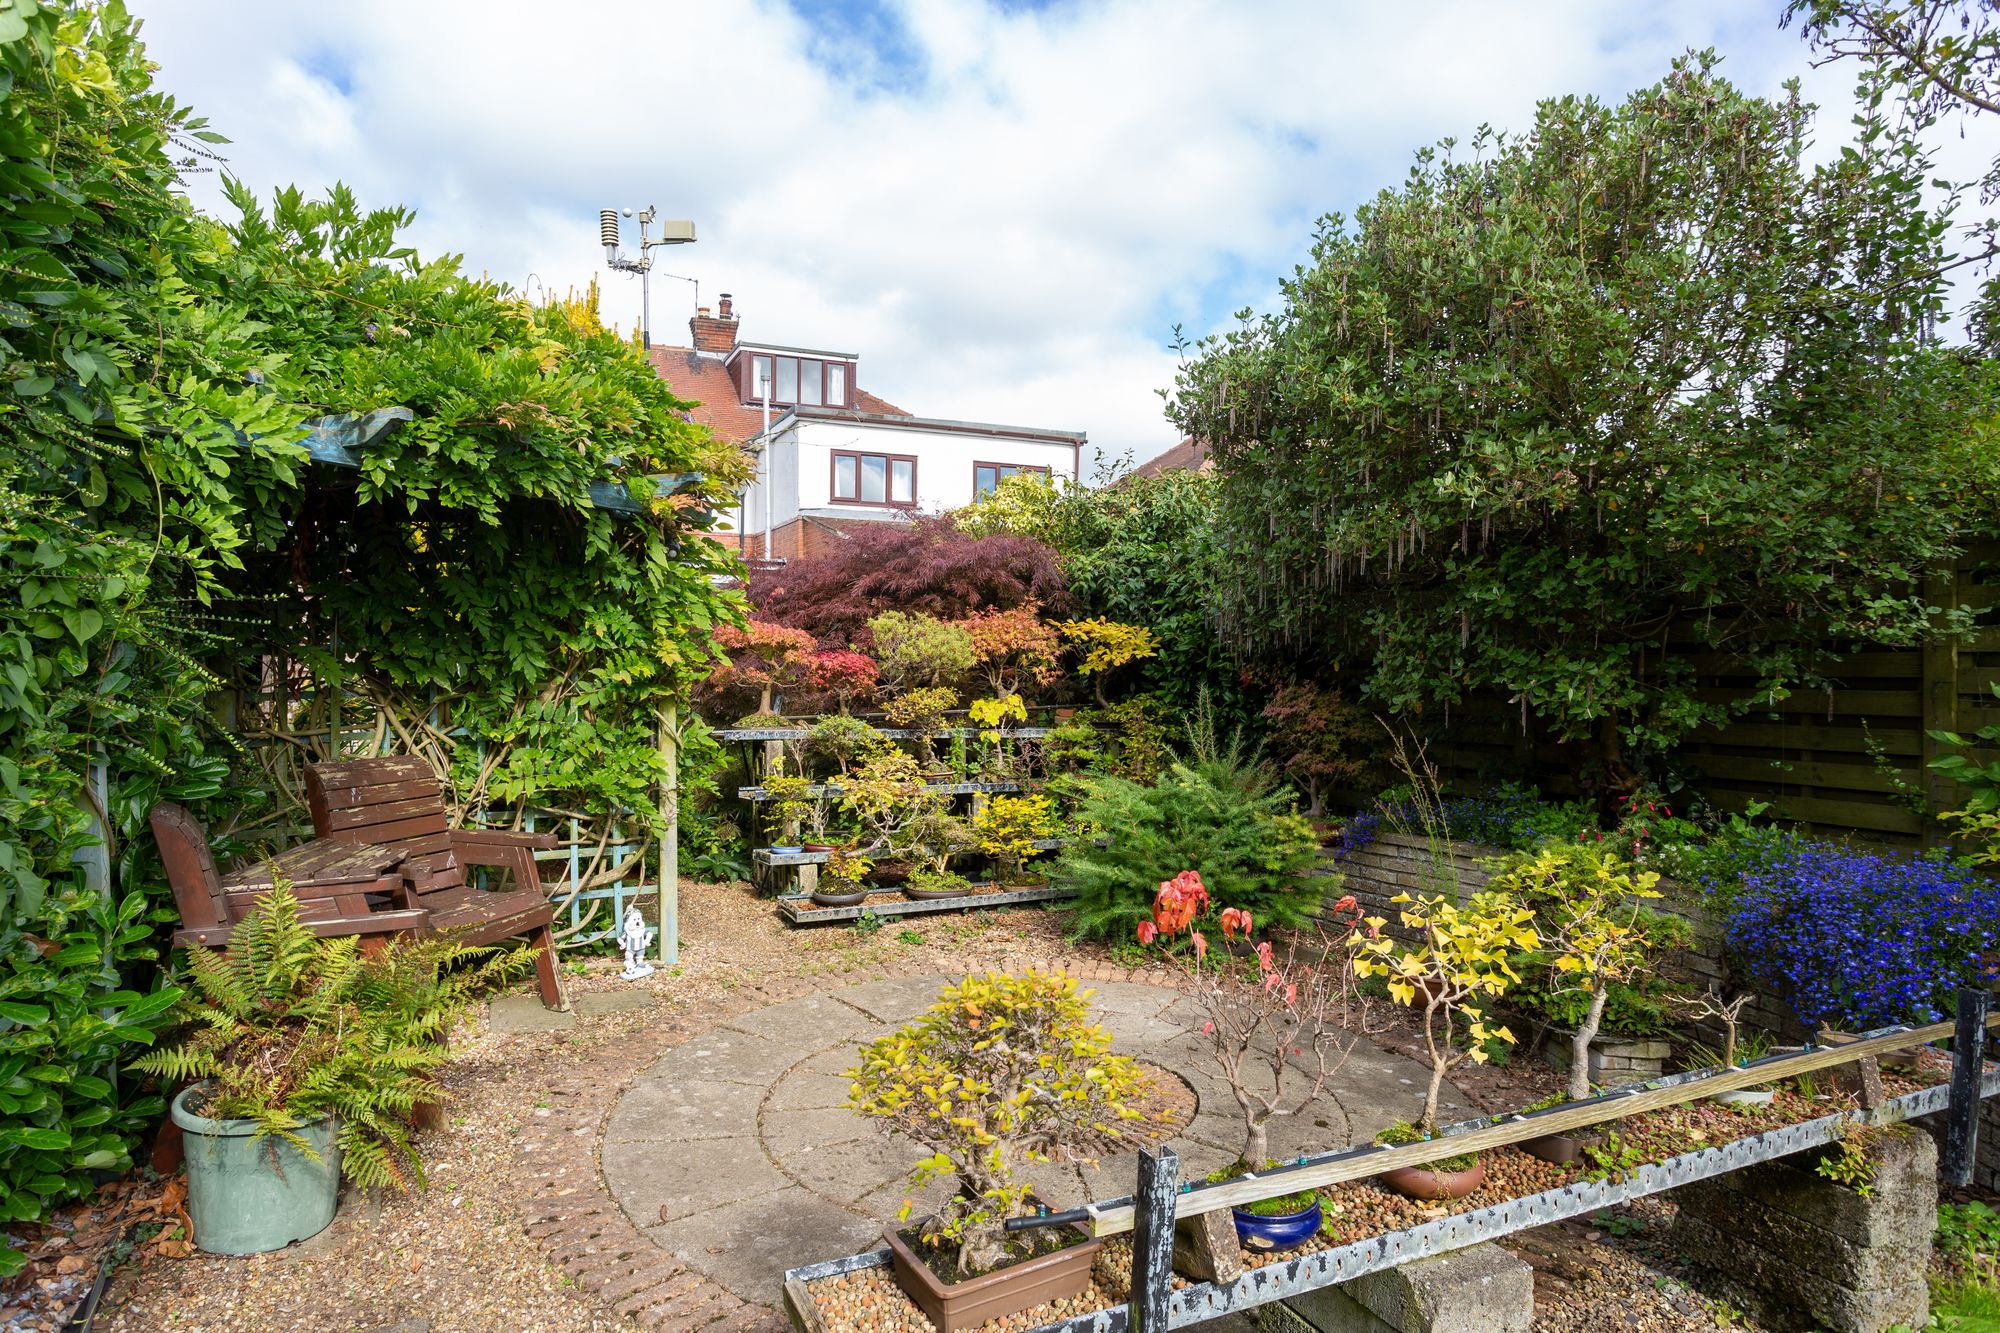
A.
pixel 797 909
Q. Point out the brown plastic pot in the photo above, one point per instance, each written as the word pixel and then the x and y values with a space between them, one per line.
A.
pixel 1559 1149
pixel 952 1306
pixel 1420 1182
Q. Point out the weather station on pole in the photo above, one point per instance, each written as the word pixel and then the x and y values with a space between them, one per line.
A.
pixel 673 231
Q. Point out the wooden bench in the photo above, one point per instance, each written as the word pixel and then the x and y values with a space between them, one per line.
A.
pixel 399 803
pixel 343 888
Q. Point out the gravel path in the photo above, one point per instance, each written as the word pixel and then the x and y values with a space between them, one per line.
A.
pixel 519 1232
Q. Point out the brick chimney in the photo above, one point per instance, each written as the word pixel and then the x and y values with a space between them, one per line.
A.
pixel 715 334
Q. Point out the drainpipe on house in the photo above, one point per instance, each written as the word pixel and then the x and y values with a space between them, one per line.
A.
pixel 769 470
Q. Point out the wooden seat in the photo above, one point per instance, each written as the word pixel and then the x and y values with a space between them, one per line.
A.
pixel 343 888
pixel 399 803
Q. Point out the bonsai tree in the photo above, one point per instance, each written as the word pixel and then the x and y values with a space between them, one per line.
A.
pixel 1729 1013
pixel 287 1027
pixel 840 740
pixel 791 800
pixel 1276 1031
pixel 764 657
pixel 913 651
pixel 992 716
pixel 1013 648
pixel 930 839
pixel 923 710
pixel 1461 960
pixel 1319 739
pixel 1588 904
pixel 841 674
pixel 1008 829
pixel 1104 646
pixel 847 869
pixel 884 793
pixel 1000 1072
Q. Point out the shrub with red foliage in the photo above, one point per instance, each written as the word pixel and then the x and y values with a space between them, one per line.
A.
pixel 1014 646
pixel 763 657
pixel 927 565
pixel 842 675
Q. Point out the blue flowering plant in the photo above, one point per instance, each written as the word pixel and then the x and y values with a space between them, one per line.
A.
pixel 1855 940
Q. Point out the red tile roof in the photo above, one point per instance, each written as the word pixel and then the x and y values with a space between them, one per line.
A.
pixel 1190 455
pixel 706 380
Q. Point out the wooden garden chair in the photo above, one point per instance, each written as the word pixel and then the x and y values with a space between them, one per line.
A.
pixel 343 888
pixel 399 804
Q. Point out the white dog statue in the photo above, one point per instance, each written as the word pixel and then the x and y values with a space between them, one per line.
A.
pixel 636 938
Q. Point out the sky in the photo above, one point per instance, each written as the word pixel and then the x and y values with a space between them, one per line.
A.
pixel 1004 207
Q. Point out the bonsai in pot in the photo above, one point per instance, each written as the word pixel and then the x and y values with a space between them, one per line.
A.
pixel 841 741
pixel 992 717
pixel 842 675
pixel 763 657
pixel 1000 1072
pixel 922 711
pixel 884 793
pixel 1593 935
pixel 1009 827
pixel 845 873
pixel 1734 1053
pixel 931 839
pixel 307 1060
pixel 1277 1026
pixel 791 804
pixel 1461 959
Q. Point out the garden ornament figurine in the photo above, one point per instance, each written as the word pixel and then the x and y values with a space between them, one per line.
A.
pixel 635 939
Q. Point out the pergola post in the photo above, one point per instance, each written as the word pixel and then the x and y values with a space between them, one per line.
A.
pixel 670 844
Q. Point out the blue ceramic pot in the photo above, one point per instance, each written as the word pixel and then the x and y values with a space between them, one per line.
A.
pixel 1283 1232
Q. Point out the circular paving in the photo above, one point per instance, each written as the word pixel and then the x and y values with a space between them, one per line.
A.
pixel 736 1152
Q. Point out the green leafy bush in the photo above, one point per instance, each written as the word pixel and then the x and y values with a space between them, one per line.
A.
pixel 1228 819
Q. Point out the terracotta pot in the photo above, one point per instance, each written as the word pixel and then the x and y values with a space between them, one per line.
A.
pixel 820 846
pixel 1420 1182
pixel 1559 1149
pixel 952 1306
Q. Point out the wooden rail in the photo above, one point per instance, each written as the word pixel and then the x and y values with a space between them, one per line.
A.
pixel 1114 1217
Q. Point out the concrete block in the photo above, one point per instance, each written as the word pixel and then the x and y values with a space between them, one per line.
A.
pixel 1479 1290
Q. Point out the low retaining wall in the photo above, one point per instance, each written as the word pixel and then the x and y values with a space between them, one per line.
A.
pixel 1402 863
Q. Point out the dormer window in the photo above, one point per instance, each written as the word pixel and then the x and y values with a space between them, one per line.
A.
pixel 797 381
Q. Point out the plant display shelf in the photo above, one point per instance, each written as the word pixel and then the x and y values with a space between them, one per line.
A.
pixel 798 909
pixel 1196 1302
pixel 758 794
pixel 767 856
pixel 891 733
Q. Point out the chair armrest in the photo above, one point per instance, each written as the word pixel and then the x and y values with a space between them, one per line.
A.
pixel 504 838
pixel 510 851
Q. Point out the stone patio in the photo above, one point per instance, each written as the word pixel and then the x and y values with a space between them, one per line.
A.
pixel 735 1153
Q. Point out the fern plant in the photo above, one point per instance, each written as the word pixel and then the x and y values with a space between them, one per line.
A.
pixel 287 1027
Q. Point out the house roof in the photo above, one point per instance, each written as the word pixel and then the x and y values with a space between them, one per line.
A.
pixel 901 420
pixel 1187 456
pixel 719 406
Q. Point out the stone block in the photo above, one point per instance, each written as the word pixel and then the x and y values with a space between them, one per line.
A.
pixel 1801 1252
pixel 1478 1290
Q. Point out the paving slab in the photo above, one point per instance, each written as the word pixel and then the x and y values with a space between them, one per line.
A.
pixel 787 1131
pixel 614 1001
pixel 524 1013
pixel 737 1057
pixel 685 1179
pixel 808 1024
pixel 746 1245
pixel 847 1171
pixel 895 999
pixel 658 1111
pixel 799 1091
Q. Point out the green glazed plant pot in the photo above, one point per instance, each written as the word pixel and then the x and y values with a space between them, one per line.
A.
pixel 246 1194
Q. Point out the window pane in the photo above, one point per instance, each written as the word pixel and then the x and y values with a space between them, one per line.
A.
pixel 874 470
pixel 836 386
pixel 760 376
pixel 983 480
pixel 809 383
pixel 903 480
pixel 843 477
pixel 788 380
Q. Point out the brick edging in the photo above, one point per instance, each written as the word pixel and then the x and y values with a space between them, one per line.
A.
pixel 568 1208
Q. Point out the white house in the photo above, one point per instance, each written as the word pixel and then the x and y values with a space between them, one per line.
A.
pixel 832 455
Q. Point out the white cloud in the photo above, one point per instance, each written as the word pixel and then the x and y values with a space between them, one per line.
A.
pixel 1003 233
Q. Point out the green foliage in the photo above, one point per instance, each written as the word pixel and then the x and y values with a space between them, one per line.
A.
pixel 1848 1162
pixel 1968 1229
pixel 1008 828
pixel 1569 394
pixel 1612 1159
pixel 1002 1071
pixel 288 1027
pixel 914 650
pixel 1230 820
pixel 1140 552
pixel 66 1027
pixel 841 739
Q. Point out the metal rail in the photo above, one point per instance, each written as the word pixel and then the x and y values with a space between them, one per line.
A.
pixel 1201 1301
pixel 789 905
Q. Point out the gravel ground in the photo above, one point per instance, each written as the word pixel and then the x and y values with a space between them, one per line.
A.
pixel 464 1254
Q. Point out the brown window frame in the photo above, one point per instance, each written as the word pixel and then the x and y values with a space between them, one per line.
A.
pixel 888 482
pixel 1043 468
pixel 747 384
